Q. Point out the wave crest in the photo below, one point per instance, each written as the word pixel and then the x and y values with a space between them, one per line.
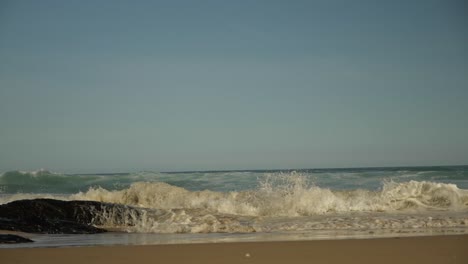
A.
pixel 429 195
pixel 281 202
pixel 287 195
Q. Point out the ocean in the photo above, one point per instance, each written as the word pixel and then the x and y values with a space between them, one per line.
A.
pixel 255 205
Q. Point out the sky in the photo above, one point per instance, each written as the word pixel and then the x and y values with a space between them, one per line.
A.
pixel 216 85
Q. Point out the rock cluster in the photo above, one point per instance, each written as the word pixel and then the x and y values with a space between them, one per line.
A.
pixel 48 216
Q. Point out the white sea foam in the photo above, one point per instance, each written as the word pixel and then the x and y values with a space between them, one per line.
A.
pixel 289 195
pixel 281 202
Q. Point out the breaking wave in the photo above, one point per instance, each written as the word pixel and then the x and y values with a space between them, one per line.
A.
pixel 282 203
pixel 288 195
pixel 278 202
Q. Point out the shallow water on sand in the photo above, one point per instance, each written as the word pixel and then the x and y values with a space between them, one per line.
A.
pixel 122 238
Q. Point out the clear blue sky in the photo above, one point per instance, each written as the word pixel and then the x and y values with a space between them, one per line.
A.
pixel 195 85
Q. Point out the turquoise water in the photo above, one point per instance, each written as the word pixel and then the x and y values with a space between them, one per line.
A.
pixel 43 181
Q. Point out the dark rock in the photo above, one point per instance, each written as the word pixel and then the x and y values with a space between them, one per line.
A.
pixel 13 239
pixel 60 217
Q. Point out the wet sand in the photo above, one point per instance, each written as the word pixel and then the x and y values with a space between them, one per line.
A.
pixel 427 249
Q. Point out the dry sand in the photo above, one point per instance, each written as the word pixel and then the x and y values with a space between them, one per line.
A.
pixel 434 249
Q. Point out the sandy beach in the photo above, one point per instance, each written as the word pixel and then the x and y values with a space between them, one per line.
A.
pixel 429 249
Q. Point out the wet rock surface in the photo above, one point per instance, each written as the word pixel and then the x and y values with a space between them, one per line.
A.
pixel 49 216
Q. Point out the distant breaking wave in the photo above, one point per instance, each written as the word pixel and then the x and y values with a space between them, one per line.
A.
pixel 44 181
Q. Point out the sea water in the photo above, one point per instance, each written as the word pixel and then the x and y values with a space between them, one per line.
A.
pixel 256 205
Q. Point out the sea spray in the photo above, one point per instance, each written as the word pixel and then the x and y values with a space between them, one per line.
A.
pixel 252 201
pixel 292 196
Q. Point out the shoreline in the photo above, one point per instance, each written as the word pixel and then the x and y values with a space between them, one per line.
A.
pixel 118 238
pixel 422 249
